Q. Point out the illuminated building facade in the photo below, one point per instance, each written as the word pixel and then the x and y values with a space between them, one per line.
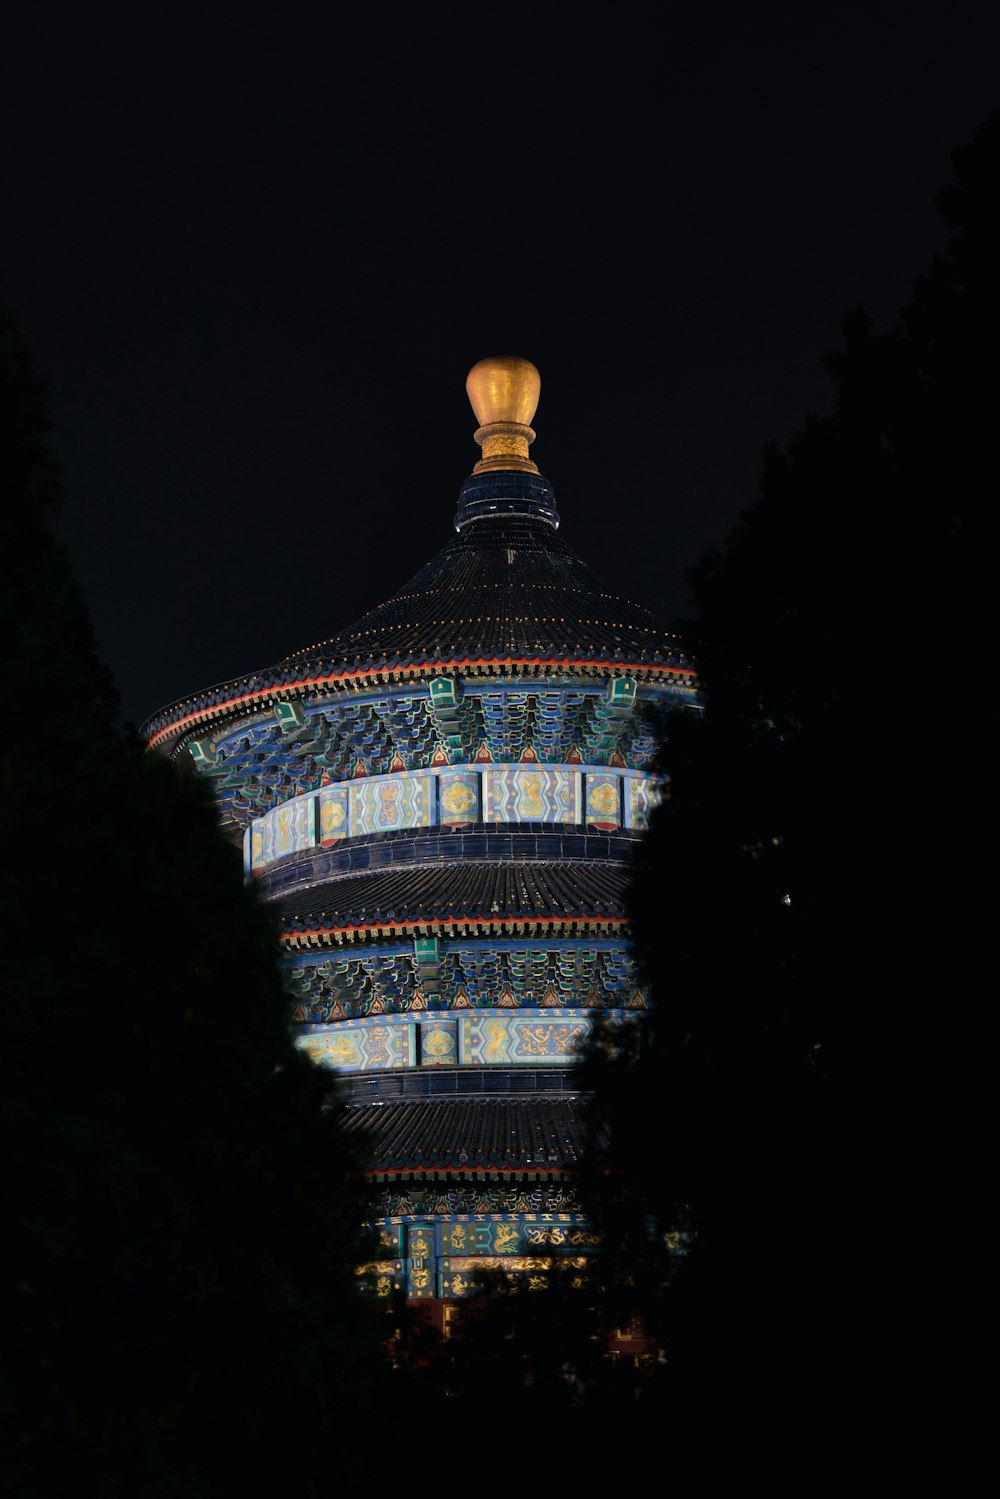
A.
pixel 441 804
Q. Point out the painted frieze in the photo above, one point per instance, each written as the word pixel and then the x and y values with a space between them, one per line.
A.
pixel 642 794
pixel 487 1039
pixel 414 1199
pixel 439 1043
pixel 462 1276
pixel 333 814
pixel 516 1235
pixel 541 793
pixel 458 797
pixel 605 798
pixel 421 1261
pixel 603 791
pixel 284 830
pixel 352 1046
pixel 389 803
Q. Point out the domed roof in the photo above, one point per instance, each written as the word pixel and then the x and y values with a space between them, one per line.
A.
pixel 506 595
pixel 506 588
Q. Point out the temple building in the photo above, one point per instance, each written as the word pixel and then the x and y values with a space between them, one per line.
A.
pixel 440 803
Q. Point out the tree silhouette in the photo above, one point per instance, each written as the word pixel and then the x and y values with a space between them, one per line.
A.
pixel 798 913
pixel 181 1313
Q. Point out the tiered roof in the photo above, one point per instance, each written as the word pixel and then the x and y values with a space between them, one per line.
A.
pixel 466 1136
pixel 506 605
pixel 483 897
pixel 506 596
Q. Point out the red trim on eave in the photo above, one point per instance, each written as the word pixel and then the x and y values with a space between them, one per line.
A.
pixel 473 1171
pixel 449 921
pixel 379 672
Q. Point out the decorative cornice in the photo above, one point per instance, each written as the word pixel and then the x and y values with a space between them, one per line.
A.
pixel 364 677
pixel 459 926
pixel 469 1173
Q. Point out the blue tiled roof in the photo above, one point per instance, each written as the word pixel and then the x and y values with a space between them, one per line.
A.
pixel 463 892
pixel 523 843
pixel 507 587
pixel 539 1134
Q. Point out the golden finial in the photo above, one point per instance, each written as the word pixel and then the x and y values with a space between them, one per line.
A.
pixel 504 393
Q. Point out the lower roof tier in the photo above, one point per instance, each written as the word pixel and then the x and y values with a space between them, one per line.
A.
pixel 540 1135
pixel 488 897
pixel 520 843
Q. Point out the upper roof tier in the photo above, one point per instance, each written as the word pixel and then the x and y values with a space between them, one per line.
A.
pixel 506 587
pixel 506 595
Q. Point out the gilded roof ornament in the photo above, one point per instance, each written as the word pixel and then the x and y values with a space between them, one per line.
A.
pixel 504 393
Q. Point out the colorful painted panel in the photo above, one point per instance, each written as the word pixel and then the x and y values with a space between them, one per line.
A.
pixel 492 1038
pixel 333 821
pixel 458 797
pixel 454 797
pixel 642 794
pixel 389 1237
pixel 536 794
pixel 603 799
pixel 456 1283
pixel 413 1200
pixel 286 829
pixel 380 1277
pixel 492 1237
pixel 257 843
pixel 399 801
pixel 421 1259
pixel 459 1273
pixel 351 1048
pixel 533 1039
pixel 571 1232
pixel 439 1043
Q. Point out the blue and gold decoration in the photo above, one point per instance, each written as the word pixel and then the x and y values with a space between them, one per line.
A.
pixel 438 1043
pixel 440 805
pixel 539 794
pixel 642 795
pixel 359 1045
pixel 501 794
pixel 389 803
pixel 521 1038
pixel 333 813
pixel 604 797
pixel 288 829
pixel 458 798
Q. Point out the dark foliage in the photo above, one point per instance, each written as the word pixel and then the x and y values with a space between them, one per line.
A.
pixel 804 920
pixel 769 1160
pixel 180 1310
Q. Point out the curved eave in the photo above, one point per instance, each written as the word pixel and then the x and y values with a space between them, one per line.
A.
pixel 480 897
pixel 469 1138
pixel 468 1173
pixel 360 678
pixel 459 926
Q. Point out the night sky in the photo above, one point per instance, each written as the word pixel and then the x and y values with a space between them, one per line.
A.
pixel 255 261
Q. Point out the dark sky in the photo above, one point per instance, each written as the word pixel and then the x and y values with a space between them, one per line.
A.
pixel 255 259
